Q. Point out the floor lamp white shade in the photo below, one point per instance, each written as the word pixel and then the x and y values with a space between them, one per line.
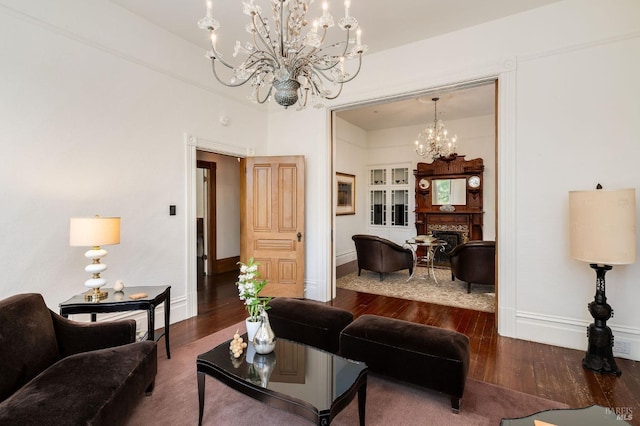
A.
pixel 95 232
pixel 603 226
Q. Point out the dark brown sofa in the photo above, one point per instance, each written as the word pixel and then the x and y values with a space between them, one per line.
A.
pixel 474 262
pixel 380 255
pixel 54 371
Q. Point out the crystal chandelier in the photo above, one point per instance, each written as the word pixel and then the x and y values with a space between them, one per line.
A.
pixel 286 58
pixel 434 140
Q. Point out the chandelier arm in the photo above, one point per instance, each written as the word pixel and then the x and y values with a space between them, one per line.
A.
pixel 314 85
pixel 357 71
pixel 213 67
pixel 216 55
pixel 302 96
pixel 266 97
pixel 253 59
pixel 336 95
pixel 265 42
pixel 336 44
pixel 282 29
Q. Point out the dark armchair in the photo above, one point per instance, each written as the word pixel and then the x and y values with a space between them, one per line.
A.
pixel 474 262
pixel 380 255
pixel 54 371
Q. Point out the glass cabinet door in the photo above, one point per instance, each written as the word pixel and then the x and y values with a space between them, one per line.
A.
pixel 378 207
pixel 399 207
pixel 378 177
pixel 400 176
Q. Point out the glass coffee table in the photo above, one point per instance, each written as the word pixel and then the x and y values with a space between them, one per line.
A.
pixel 298 378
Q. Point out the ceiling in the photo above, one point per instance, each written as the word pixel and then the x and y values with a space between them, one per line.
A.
pixel 385 24
pixel 452 105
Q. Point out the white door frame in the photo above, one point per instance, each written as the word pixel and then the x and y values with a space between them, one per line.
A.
pixel 505 72
pixel 193 144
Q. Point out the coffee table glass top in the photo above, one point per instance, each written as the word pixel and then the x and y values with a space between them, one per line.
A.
pixel 298 371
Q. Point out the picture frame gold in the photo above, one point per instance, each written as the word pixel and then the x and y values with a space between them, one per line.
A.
pixel 345 194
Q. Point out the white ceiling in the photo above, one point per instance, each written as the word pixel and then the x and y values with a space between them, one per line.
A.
pixel 452 105
pixel 385 24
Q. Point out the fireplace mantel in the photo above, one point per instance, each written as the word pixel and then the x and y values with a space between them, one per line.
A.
pixel 467 218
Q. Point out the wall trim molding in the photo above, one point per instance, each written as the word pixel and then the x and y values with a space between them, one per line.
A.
pixel 74 36
pixel 506 200
pixel 571 333
pixel 578 46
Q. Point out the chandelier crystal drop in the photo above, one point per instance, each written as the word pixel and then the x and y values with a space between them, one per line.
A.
pixel 434 140
pixel 287 57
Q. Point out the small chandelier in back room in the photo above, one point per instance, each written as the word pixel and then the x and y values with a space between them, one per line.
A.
pixel 434 140
pixel 289 57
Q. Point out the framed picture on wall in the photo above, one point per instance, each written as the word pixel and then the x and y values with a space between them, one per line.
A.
pixel 345 194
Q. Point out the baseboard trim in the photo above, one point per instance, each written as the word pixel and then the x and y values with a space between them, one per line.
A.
pixel 226 265
pixel 346 268
pixel 570 332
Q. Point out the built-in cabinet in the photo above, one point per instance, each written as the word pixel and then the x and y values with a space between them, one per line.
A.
pixel 448 197
pixel 389 190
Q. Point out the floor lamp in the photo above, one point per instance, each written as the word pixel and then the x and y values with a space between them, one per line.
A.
pixel 602 233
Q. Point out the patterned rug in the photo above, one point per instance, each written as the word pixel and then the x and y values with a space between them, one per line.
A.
pixel 423 288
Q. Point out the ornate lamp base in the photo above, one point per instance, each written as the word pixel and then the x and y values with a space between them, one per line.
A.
pixel 96 295
pixel 599 356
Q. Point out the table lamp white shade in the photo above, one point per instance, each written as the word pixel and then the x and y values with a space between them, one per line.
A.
pixel 602 226
pixel 94 232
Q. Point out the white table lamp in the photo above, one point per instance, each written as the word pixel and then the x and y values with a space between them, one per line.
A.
pixel 95 232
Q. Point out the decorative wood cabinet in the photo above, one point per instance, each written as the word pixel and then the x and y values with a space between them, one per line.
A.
pixel 449 197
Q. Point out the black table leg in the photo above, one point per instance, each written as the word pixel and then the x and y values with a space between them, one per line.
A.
pixel 201 377
pixel 167 307
pixel 362 402
pixel 151 319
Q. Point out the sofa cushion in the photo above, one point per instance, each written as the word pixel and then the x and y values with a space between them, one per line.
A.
pixel 93 388
pixel 309 322
pixel 27 329
pixel 423 355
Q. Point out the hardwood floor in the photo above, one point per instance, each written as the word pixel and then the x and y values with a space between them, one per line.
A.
pixel 543 370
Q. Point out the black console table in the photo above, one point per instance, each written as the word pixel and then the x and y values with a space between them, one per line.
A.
pixel 119 301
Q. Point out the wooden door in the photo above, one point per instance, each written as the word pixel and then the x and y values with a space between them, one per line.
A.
pixel 272 221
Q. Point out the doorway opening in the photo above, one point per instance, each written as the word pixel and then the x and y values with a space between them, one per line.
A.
pixel 217 219
pixel 383 133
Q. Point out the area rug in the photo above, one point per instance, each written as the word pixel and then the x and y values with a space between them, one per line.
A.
pixel 422 288
pixel 175 399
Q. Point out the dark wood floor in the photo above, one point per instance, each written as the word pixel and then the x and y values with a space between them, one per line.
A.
pixel 546 371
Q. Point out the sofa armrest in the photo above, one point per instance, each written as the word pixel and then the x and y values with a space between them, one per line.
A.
pixel 76 337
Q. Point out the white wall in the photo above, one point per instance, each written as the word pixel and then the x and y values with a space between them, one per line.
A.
pixel 350 157
pixel 95 105
pixel 568 108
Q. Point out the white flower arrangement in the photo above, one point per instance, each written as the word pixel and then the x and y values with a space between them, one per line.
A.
pixel 250 283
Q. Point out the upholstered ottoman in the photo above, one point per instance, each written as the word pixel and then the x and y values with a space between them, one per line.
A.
pixel 309 322
pixel 431 357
